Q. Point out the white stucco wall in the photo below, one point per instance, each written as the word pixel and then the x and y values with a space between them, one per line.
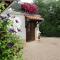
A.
pixel 14 11
pixel 20 25
pixel 37 32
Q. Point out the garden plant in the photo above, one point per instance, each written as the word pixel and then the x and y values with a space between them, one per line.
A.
pixel 11 46
pixel 29 8
pixel 3 5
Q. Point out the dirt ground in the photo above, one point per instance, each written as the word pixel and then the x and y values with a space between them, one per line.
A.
pixel 48 48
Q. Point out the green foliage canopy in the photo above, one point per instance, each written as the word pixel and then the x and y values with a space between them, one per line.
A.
pixel 50 10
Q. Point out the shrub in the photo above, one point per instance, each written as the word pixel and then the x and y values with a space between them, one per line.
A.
pixel 2 7
pixel 11 46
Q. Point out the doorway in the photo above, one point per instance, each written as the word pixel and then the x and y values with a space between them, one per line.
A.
pixel 30 31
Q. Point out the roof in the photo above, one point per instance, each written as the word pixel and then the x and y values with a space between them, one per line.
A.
pixel 34 17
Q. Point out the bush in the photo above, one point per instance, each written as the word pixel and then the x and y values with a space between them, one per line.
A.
pixel 2 7
pixel 11 46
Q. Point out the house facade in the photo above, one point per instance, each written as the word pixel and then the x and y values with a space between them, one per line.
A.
pixel 24 24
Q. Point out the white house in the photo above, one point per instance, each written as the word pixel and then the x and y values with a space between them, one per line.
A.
pixel 22 22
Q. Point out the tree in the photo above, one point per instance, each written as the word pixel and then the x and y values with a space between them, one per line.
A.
pixel 50 10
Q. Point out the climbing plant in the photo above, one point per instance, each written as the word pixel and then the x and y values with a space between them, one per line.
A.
pixel 30 8
pixel 11 46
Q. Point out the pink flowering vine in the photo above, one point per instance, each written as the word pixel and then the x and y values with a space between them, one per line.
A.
pixel 30 8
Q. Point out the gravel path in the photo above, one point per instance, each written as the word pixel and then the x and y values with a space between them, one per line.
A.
pixel 47 49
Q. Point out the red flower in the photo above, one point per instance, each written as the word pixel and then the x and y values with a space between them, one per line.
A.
pixel 30 8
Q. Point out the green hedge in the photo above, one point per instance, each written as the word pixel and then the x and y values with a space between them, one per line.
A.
pixel 49 30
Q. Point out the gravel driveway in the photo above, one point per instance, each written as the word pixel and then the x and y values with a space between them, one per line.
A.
pixel 45 49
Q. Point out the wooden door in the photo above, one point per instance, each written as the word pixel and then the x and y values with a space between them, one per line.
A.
pixel 30 31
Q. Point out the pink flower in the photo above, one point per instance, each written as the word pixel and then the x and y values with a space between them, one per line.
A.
pixel 30 8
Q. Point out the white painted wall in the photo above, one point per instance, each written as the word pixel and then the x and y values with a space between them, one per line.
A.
pixel 37 32
pixel 20 25
pixel 12 10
